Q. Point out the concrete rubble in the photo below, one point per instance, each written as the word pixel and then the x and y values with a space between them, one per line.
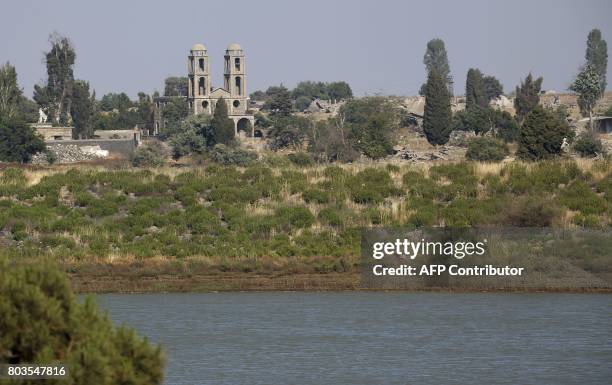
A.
pixel 69 153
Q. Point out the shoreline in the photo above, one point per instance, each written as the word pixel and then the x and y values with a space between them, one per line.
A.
pixel 245 282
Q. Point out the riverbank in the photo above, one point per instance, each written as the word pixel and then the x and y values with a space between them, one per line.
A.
pixel 232 282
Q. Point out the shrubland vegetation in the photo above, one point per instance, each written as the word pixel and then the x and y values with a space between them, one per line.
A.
pixel 279 210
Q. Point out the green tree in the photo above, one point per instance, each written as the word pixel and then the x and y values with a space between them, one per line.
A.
pixel 475 118
pixel 339 90
pixel 372 123
pixel 279 101
pixel 42 322
pixel 527 96
pixel 287 131
pixel 195 136
pixel 438 115
pixel 329 141
pixel 310 90
pixel 222 125
pixel 302 103
pixel 56 95
pixel 175 111
pixel 475 94
pixel 597 56
pixel 493 88
pixel 18 141
pixel 83 104
pixel 112 101
pixel 10 93
pixel 176 86
pixel 542 134
pixel 587 86
pixel 436 59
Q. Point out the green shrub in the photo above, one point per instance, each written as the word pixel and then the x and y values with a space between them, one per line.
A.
pixel 579 196
pixel 531 212
pixel 294 217
pixel 486 150
pixel 149 156
pixel 588 145
pixel 371 186
pixel 56 326
pixel 301 159
pixel 225 155
pixel 316 196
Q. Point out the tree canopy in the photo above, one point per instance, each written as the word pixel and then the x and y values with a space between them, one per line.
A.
pixel 18 140
pixel 527 96
pixel 588 87
pixel 597 56
pixel 56 95
pixel 436 59
pixel 541 134
pixel 176 86
pixel 437 118
pixel 83 109
pixel 475 94
pixel 222 125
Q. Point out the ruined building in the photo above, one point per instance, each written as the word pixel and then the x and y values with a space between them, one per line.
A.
pixel 202 96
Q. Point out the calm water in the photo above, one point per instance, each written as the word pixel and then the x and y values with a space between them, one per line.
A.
pixel 375 338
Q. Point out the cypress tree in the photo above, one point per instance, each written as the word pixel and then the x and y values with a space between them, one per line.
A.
pixel 222 125
pixel 437 119
pixel 527 96
pixel 597 56
pixel 475 94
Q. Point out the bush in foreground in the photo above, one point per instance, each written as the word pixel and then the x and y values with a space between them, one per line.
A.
pixel 486 150
pixel 42 322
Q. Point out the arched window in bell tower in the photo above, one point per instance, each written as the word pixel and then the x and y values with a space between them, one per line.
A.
pixel 238 85
pixel 201 64
pixel 201 87
pixel 237 63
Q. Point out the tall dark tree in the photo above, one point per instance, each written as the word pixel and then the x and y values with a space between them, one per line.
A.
pixel 222 125
pixel 597 56
pixel 437 118
pixel 436 59
pixel 10 93
pixel 83 104
pixel 493 88
pixel 475 89
pixel 18 140
pixel 527 96
pixel 279 102
pixel 541 135
pixel 56 95
pixel 176 86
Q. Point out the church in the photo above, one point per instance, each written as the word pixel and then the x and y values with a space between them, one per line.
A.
pixel 202 96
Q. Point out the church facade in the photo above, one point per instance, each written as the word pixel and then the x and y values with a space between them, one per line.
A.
pixel 203 96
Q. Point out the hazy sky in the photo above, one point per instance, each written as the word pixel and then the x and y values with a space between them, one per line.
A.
pixel 376 46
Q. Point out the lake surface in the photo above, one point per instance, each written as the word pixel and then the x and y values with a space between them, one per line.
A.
pixel 375 338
